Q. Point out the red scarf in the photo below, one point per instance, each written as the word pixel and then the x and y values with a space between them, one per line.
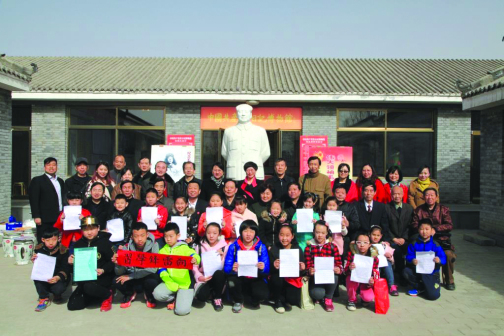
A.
pixel 245 184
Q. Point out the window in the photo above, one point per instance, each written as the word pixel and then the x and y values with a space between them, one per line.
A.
pixel 384 138
pixel 98 134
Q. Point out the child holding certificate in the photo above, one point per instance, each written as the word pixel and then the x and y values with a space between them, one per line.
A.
pixel 58 280
pixel 181 209
pixel 162 215
pixel 387 271
pixel 211 282
pixel 310 202
pixel 285 290
pixel 362 246
pixel 421 280
pixel 321 246
pixel 254 282
pixel 331 204
pixel 227 218
pixel 69 237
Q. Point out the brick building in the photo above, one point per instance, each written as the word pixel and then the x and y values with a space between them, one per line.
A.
pixel 407 111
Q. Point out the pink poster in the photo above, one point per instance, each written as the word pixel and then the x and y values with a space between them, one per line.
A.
pixel 331 158
pixel 305 143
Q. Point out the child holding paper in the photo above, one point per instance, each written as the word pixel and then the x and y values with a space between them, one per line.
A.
pixel 425 243
pixel 176 282
pixel 100 288
pixel 181 209
pixel 321 246
pixel 362 246
pixel 241 213
pixel 257 287
pixel 310 201
pixel 227 219
pixel 58 283
pixel 386 272
pixel 286 291
pixel 69 237
pixel 162 212
pixel 331 204
pixel 120 205
pixel 270 223
pixel 210 285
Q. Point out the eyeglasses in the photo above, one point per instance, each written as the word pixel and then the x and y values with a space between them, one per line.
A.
pixel 362 243
pixel 343 171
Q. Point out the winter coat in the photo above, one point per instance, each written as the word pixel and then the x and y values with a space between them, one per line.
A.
pixel 175 278
pixel 100 211
pixel 62 268
pixel 352 194
pixel 274 254
pixel 192 226
pixel 328 249
pixel 380 195
pixel 138 272
pixel 127 223
pixel 204 247
pixel 303 237
pixel 318 184
pixel 421 246
pixel 226 230
pixel 180 188
pixel 415 194
pixel 137 192
pixel 77 184
pixel 388 192
pixel 232 256
pixel 105 254
pixel 372 252
pixel 67 236
pixel 269 227
pixel 162 215
pixel 440 217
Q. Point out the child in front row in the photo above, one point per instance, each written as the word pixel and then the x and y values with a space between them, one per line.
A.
pixel 285 291
pixel 176 282
pixel 386 272
pixel 428 283
pixel 211 285
pixel 257 287
pixel 363 247
pixel 310 202
pixel 59 282
pixel 69 237
pixel 321 246
pixel 94 289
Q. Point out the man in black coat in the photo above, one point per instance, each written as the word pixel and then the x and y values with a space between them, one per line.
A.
pixel 142 178
pixel 400 216
pixel 77 183
pixel 134 205
pixel 180 188
pixel 160 173
pixel 280 181
pixel 46 194
pixel 371 212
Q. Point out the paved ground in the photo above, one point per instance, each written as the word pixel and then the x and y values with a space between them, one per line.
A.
pixel 475 308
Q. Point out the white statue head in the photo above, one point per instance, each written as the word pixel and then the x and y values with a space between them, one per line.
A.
pixel 244 113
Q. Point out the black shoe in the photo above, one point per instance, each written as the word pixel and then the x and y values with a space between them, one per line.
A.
pixel 217 304
pixel 255 306
pixel 450 287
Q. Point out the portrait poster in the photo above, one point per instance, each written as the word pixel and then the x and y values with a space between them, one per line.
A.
pixel 174 157
pixel 305 143
pixel 331 158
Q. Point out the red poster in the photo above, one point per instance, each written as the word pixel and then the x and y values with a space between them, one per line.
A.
pixel 152 260
pixel 305 142
pixel 331 158
pixel 180 139
pixel 270 118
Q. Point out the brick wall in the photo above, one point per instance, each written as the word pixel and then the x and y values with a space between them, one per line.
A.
pixel 184 118
pixel 320 120
pixel 453 155
pixel 492 171
pixel 49 138
pixel 6 157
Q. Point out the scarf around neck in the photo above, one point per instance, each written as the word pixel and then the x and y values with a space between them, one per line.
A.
pixel 423 184
pixel 217 181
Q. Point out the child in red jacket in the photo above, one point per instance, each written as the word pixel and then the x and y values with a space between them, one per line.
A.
pixel 69 237
pixel 162 214
pixel 227 220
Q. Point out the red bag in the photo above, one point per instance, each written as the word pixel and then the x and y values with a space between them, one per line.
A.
pixel 381 293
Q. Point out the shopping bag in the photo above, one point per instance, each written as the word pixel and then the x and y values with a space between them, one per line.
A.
pixel 381 293
pixel 306 301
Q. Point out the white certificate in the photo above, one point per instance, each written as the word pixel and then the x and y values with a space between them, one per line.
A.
pixel 116 228
pixel 333 218
pixel 383 262
pixel 72 214
pixel 247 263
pixel 363 269
pixel 238 223
pixel 215 215
pixel 43 267
pixel 426 262
pixel 181 221
pixel 324 270
pixel 304 220
pixel 211 262
pixel 289 263
pixel 149 215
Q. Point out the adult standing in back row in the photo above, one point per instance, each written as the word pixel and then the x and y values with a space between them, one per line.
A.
pixel 314 181
pixel 46 197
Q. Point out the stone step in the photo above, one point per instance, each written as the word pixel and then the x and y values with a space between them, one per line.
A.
pixel 499 239
pixel 478 239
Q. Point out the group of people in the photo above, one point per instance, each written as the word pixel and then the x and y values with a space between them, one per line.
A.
pixel 403 220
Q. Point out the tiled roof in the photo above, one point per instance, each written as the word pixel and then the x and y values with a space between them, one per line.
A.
pixel 254 75
pixel 493 80
pixel 11 69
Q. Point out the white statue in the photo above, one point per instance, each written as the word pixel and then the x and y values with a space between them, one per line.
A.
pixel 243 143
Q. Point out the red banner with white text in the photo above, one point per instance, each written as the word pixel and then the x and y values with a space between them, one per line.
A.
pixel 152 260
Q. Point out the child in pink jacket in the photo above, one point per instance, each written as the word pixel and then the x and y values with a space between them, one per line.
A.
pixel 210 283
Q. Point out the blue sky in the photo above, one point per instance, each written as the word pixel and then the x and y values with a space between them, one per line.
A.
pixel 260 28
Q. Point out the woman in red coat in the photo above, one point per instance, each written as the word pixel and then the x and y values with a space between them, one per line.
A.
pixel 346 182
pixel 368 175
pixel 394 177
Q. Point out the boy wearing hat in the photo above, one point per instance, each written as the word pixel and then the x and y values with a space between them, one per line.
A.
pixel 95 289
pixel 78 182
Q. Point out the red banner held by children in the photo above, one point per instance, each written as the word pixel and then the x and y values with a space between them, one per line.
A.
pixel 152 260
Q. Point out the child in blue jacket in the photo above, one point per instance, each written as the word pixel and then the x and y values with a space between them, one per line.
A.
pixel 428 283
pixel 256 287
